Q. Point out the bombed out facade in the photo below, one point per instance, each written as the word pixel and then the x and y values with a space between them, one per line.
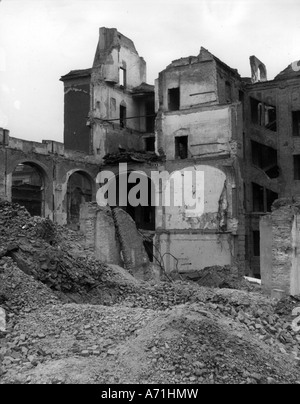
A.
pixel 201 115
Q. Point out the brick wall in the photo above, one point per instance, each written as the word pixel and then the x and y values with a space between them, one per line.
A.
pixel 280 249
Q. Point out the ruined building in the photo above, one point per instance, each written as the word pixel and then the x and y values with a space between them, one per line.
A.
pixel 201 116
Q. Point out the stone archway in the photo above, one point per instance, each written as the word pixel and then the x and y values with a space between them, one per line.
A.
pixel 28 187
pixel 79 191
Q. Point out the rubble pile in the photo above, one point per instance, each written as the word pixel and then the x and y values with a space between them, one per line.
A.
pixel 95 344
pixel 122 330
pixel 21 293
pixel 131 156
pixel 55 256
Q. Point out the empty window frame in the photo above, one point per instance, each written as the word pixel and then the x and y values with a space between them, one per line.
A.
pixel 122 77
pixel 123 114
pixel 270 118
pixel 256 111
pixel 258 198
pixel 181 147
pixel 150 144
pixel 228 92
pixel 265 158
pixel 263 114
pixel 262 198
pixel 297 167
pixel 296 123
pixel 174 99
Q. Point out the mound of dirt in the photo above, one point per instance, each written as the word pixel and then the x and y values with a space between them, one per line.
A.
pixel 125 331
pixel 55 256
pixel 100 345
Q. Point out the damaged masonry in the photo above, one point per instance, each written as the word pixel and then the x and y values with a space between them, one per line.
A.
pixel 201 115
pixel 152 292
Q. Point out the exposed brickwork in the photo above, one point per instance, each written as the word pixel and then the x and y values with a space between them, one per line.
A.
pixel 279 247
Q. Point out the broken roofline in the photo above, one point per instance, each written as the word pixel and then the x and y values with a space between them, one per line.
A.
pixel 197 59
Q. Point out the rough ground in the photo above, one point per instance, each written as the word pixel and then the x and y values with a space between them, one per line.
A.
pixel 102 326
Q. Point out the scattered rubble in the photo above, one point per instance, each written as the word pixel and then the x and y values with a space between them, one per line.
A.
pixel 2 320
pixel 72 319
pixel 192 343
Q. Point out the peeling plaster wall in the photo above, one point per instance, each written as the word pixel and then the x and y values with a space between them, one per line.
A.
pixel 208 216
pixel 107 101
pixel 209 131
pixel 194 237
pixel 195 251
pixel 197 82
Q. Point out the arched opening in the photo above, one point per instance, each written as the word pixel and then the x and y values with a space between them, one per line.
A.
pixel 80 190
pixel 28 188
pixel 142 211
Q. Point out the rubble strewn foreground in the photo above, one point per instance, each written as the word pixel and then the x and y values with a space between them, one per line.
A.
pixel 72 319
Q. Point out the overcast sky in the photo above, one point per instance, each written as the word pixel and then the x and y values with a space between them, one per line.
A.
pixel 41 40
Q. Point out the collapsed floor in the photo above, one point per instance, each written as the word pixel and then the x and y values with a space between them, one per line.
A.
pixel 72 319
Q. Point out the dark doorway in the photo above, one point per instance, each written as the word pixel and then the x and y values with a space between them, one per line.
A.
pixel 144 216
pixel 181 147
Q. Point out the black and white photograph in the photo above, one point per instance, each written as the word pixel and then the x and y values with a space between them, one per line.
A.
pixel 149 195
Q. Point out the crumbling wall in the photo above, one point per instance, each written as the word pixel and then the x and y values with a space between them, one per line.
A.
pixel 98 226
pixel 135 257
pixel 112 236
pixel 191 239
pixel 208 131
pixel 280 247
pixel 115 112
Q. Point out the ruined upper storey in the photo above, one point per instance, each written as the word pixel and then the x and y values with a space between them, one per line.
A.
pixel 117 60
pixel 108 106
pixel 197 81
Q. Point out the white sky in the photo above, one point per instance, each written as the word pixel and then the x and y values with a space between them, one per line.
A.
pixel 41 40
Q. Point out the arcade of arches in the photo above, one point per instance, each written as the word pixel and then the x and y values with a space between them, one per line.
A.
pixel 28 190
